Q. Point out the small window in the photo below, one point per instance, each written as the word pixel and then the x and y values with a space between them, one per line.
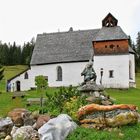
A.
pixel 59 73
pixel 26 75
pixel 117 46
pixel 111 46
pixel 105 46
pixel 111 74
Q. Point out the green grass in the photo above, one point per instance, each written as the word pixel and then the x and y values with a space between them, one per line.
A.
pixel 10 71
pixel 130 96
pixel 124 133
pixel 138 80
pixel 7 103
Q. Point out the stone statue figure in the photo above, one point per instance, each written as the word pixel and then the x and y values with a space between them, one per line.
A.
pixel 89 73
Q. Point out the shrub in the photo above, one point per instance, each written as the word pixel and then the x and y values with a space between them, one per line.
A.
pixel 66 100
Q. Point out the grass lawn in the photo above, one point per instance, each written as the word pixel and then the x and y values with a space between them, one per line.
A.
pixel 130 96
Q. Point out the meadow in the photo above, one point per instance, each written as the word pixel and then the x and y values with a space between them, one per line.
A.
pixel 127 96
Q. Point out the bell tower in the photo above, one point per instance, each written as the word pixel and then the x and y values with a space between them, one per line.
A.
pixel 109 21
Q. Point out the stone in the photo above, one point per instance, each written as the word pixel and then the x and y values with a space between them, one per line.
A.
pixel 35 114
pixel 93 99
pixel 24 133
pixel 2 135
pixel 6 125
pixel 42 119
pixel 14 129
pixel 35 136
pixel 138 117
pixel 19 116
pixel 106 102
pixel 90 86
pixel 94 115
pixel 95 93
pixel 8 137
pixel 57 128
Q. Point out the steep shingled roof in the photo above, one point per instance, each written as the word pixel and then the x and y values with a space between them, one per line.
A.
pixel 72 46
pixel 110 33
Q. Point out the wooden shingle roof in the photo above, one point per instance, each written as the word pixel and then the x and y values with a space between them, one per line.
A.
pixel 71 46
pixel 110 33
pixel 61 47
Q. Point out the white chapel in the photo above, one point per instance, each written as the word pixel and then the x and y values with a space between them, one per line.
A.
pixel 61 57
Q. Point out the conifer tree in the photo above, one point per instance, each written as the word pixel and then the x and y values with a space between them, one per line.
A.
pixel 138 49
pixel 1 72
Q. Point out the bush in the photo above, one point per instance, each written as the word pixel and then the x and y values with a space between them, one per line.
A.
pixel 66 100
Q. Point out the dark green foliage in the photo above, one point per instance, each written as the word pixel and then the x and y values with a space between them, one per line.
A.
pixel 27 52
pixel 138 50
pixel 56 102
pixel 41 84
pixel 15 54
pixel 1 72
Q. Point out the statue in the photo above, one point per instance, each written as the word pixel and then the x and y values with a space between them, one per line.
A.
pixel 88 73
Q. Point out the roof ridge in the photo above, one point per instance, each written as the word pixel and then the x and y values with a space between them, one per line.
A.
pixel 43 34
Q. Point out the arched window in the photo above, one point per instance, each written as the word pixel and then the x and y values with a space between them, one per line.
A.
pixel 59 73
pixel 26 75
pixel 130 70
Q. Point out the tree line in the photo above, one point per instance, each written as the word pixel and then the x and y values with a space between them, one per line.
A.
pixel 136 48
pixel 13 54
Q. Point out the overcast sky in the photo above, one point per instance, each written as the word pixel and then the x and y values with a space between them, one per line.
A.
pixel 23 19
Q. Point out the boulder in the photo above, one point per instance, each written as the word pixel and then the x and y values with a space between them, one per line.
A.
pixel 42 119
pixel 57 128
pixel 2 135
pixel 95 93
pixel 94 115
pixel 8 137
pixel 6 125
pixel 20 116
pixel 24 133
pixel 90 86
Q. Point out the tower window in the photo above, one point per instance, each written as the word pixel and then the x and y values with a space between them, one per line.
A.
pixel 111 73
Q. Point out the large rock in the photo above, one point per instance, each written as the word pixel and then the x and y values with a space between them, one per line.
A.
pixel 95 93
pixel 20 117
pixel 90 86
pixel 6 125
pixel 8 137
pixel 57 128
pixel 24 133
pixel 41 120
pixel 94 115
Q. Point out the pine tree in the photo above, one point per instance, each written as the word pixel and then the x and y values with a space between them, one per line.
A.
pixel 138 49
pixel 27 52
pixel 1 72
